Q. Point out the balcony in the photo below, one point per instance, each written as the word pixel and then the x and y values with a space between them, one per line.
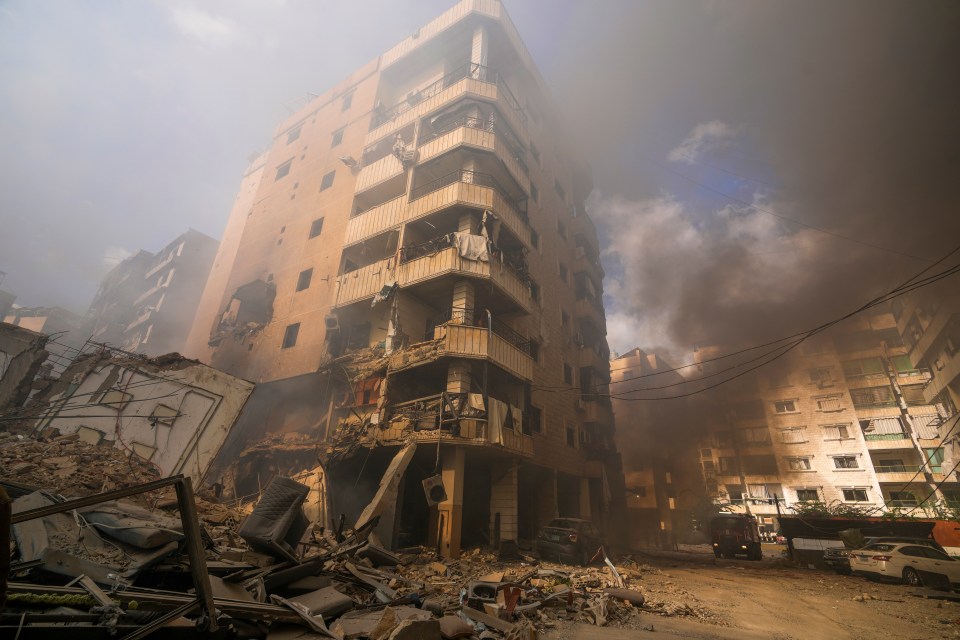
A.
pixel 587 310
pixel 479 342
pixel 583 263
pixel 471 80
pixel 389 215
pixel 472 189
pixel 942 377
pixel 364 282
pixel 898 473
pixel 589 357
pixel 595 410
pixel 485 136
pixel 886 441
pixel 469 431
pixel 378 172
pixel 444 259
pixel 583 225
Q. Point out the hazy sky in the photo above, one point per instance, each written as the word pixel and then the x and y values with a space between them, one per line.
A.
pixel 711 127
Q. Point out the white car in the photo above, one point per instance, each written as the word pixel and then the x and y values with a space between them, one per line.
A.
pixel 913 564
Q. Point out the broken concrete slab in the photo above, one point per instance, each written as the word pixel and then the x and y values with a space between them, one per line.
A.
pixel 326 602
pixel 453 627
pixel 417 630
pixel 389 485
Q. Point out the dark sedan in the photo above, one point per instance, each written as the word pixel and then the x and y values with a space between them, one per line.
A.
pixel 569 540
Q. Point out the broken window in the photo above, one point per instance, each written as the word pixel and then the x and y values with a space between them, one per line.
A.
pixel 327 181
pixel 250 306
pixel 368 391
pixel 115 399
pixel 303 280
pixel 290 335
pixel 337 138
pixel 162 414
pixel 283 169
pixel 316 227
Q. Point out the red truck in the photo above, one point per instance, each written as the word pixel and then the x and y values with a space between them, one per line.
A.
pixel 734 534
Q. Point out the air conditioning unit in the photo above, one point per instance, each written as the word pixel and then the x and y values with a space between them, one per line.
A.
pixel 434 491
pixel 332 323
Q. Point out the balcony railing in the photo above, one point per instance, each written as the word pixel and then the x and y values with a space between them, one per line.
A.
pixel 514 261
pixel 873 437
pixel 480 124
pixel 471 177
pixel 895 468
pixel 478 318
pixel 469 70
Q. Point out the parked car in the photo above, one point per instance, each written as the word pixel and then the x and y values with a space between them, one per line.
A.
pixel 569 540
pixel 913 564
pixel 838 558
pixel 734 534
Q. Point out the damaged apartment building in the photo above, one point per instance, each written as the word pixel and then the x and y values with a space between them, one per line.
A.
pixel 410 271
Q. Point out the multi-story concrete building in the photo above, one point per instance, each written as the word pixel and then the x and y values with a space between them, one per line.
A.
pixel 147 302
pixel 61 326
pixel 413 252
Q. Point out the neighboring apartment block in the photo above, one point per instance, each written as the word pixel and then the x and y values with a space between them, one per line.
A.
pixel 62 328
pixel 147 302
pixel 844 421
pixel 413 253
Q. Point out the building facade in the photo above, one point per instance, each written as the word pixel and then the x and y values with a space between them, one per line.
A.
pixel 843 422
pixel 147 302
pixel 414 245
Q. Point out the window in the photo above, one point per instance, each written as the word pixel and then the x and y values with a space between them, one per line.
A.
pixel 846 462
pixel 728 465
pixel 779 380
pixel 162 414
pixel 709 466
pixel 304 280
pixel 535 350
pixel 316 227
pixel 735 492
pixel 793 436
pixel 854 495
pixel 560 191
pixel 798 464
pixel 561 230
pixel 115 399
pixel 935 459
pixel 807 495
pixel 563 272
pixel 534 420
pixel 534 192
pixel 293 134
pixel 866 367
pixel 829 403
pixel 757 435
pixel 535 152
pixel 347 101
pixel 534 291
pixel 535 239
pixel 290 335
pixel 785 406
pixel 337 138
pixel 913 395
pixel 571 436
pixel 822 377
pixel 902 499
pixel 836 432
pixel 564 319
pixel 872 397
pixel 283 169
pixel 567 373
pixel 706 453
pixel 327 181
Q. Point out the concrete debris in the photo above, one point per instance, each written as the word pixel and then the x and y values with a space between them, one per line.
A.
pixel 116 556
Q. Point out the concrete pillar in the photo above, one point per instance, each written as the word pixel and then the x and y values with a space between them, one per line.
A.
pixel 464 297
pixel 585 512
pixel 467 224
pixel 478 50
pixel 503 502
pixel 449 522
pixel 459 377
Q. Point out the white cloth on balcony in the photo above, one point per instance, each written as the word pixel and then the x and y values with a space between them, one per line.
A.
pixel 475 401
pixel 472 247
pixel 517 416
pixel 496 414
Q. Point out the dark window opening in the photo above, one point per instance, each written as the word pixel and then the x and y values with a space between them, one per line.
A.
pixel 327 181
pixel 337 138
pixel 347 101
pixel 304 280
pixel 316 227
pixel 290 335
pixel 283 169
pixel 293 134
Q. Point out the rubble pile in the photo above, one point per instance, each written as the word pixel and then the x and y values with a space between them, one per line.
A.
pixel 70 467
pixel 130 565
